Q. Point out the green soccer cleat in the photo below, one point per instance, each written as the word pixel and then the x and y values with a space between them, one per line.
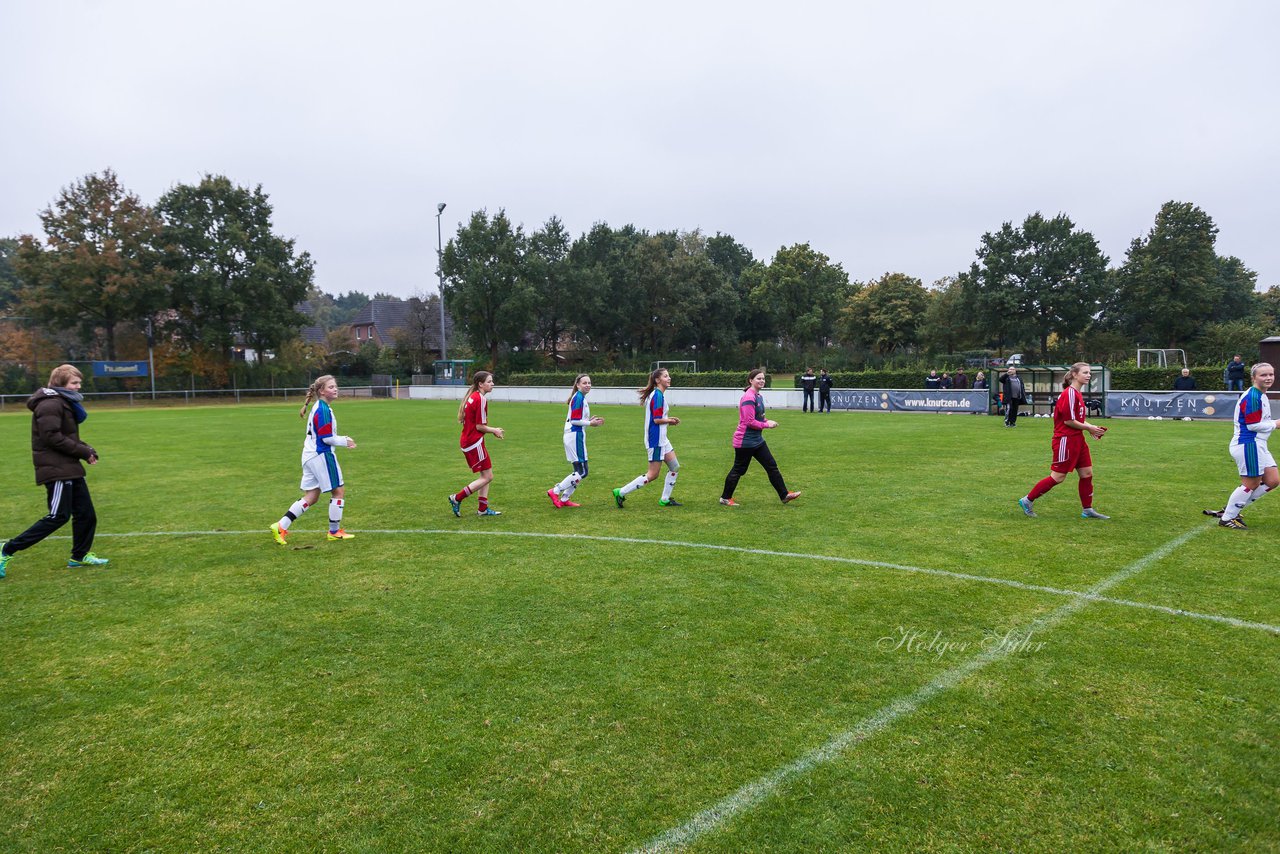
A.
pixel 278 534
pixel 1025 504
pixel 90 559
pixel 619 498
pixel 669 502
pixel 4 561
pixel 1092 514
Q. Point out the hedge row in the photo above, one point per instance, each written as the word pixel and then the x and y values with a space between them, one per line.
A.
pixel 1128 378
pixel 623 379
pixel 1123 378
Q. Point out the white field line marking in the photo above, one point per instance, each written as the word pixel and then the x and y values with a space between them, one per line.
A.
pixel 943 573
pixel 757 791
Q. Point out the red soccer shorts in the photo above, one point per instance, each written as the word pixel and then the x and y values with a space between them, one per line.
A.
pixel 1070 453
pixel 477 458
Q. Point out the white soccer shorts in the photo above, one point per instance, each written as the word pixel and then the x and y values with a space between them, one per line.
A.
pixel 321 472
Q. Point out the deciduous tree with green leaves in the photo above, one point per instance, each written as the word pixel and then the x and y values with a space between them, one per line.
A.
pixel 231 273
pixel 947 326
pixel 885 315
pixel 1170 281
pixel 99 264
pixel 604 261
pixel 554 287
pixel 1238 285
pixel 1042 278
pixel 802 293
pixel 9 281
pixel 484 286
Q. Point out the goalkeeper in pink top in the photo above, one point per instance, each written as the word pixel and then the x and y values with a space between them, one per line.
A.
pixel 749 443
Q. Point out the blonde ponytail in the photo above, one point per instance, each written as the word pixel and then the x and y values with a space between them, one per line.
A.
pixel 313 393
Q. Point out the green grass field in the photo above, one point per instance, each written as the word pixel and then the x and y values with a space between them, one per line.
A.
pixel 600 680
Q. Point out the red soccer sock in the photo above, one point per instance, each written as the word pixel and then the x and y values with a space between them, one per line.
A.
pixel 1041 488
pixel 484 503
pixel 466 490
pixel 1086 492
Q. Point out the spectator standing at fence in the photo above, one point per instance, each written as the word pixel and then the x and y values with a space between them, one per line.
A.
pixel 1070 452
pixel 932 382
pixel 980 380
pixel 1253 426
pixel 1186 382
pixel 962 380
pixel 807 382
pixel 57 451
pixel 749 443
pixel 473 415
pixel 1014 394
pixel 320 469
pixel 1234 374
pixel 657 417
pixel 946 383
pixel 575 442
pixel 824 392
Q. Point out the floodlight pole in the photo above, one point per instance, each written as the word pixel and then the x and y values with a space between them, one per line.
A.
pixel 440 274
pixel 151 358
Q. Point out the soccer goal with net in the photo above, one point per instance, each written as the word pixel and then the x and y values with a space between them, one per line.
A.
pixel 1152 358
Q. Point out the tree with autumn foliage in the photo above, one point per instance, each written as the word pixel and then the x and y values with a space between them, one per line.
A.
pixel 98 265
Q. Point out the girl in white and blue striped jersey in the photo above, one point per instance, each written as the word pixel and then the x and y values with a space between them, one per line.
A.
pixel 575 442
pixel 657 418
pixel 320 470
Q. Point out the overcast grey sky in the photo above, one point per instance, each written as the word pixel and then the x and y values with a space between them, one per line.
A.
pixel 888 136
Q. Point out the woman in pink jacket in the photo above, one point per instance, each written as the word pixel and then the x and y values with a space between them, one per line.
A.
pixel 749 443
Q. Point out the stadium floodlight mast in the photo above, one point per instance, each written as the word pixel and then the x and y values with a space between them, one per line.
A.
pixel 440 275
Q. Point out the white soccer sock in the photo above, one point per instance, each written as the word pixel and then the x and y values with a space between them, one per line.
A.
pixel 1237 502
pixel 299 507
pixel 566 487
pixel 335 514
pixel 635 484
pixel 1262 490
pixel 668 485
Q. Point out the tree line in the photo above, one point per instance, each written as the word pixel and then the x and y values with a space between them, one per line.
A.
pixel 202 271
pixel 1042 285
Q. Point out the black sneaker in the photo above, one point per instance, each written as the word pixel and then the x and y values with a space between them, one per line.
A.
pixel 1232 523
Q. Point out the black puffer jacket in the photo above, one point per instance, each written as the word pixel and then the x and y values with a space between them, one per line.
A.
pixel 56 448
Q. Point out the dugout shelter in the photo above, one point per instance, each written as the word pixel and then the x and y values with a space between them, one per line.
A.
pixel 1043 385
pixel 452 371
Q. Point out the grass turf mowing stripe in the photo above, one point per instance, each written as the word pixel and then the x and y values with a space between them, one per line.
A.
pixel 756 791
pixel 945 573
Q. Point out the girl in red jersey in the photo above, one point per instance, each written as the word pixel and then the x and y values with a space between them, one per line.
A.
pixel 1070 452
pixel 473 415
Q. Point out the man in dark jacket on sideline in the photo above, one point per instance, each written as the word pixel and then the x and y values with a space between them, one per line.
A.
pixel 1186 382
pixel 824 391
pixel 1234 374
pixel 1015 394
pixel 807 382
pixel 56 450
